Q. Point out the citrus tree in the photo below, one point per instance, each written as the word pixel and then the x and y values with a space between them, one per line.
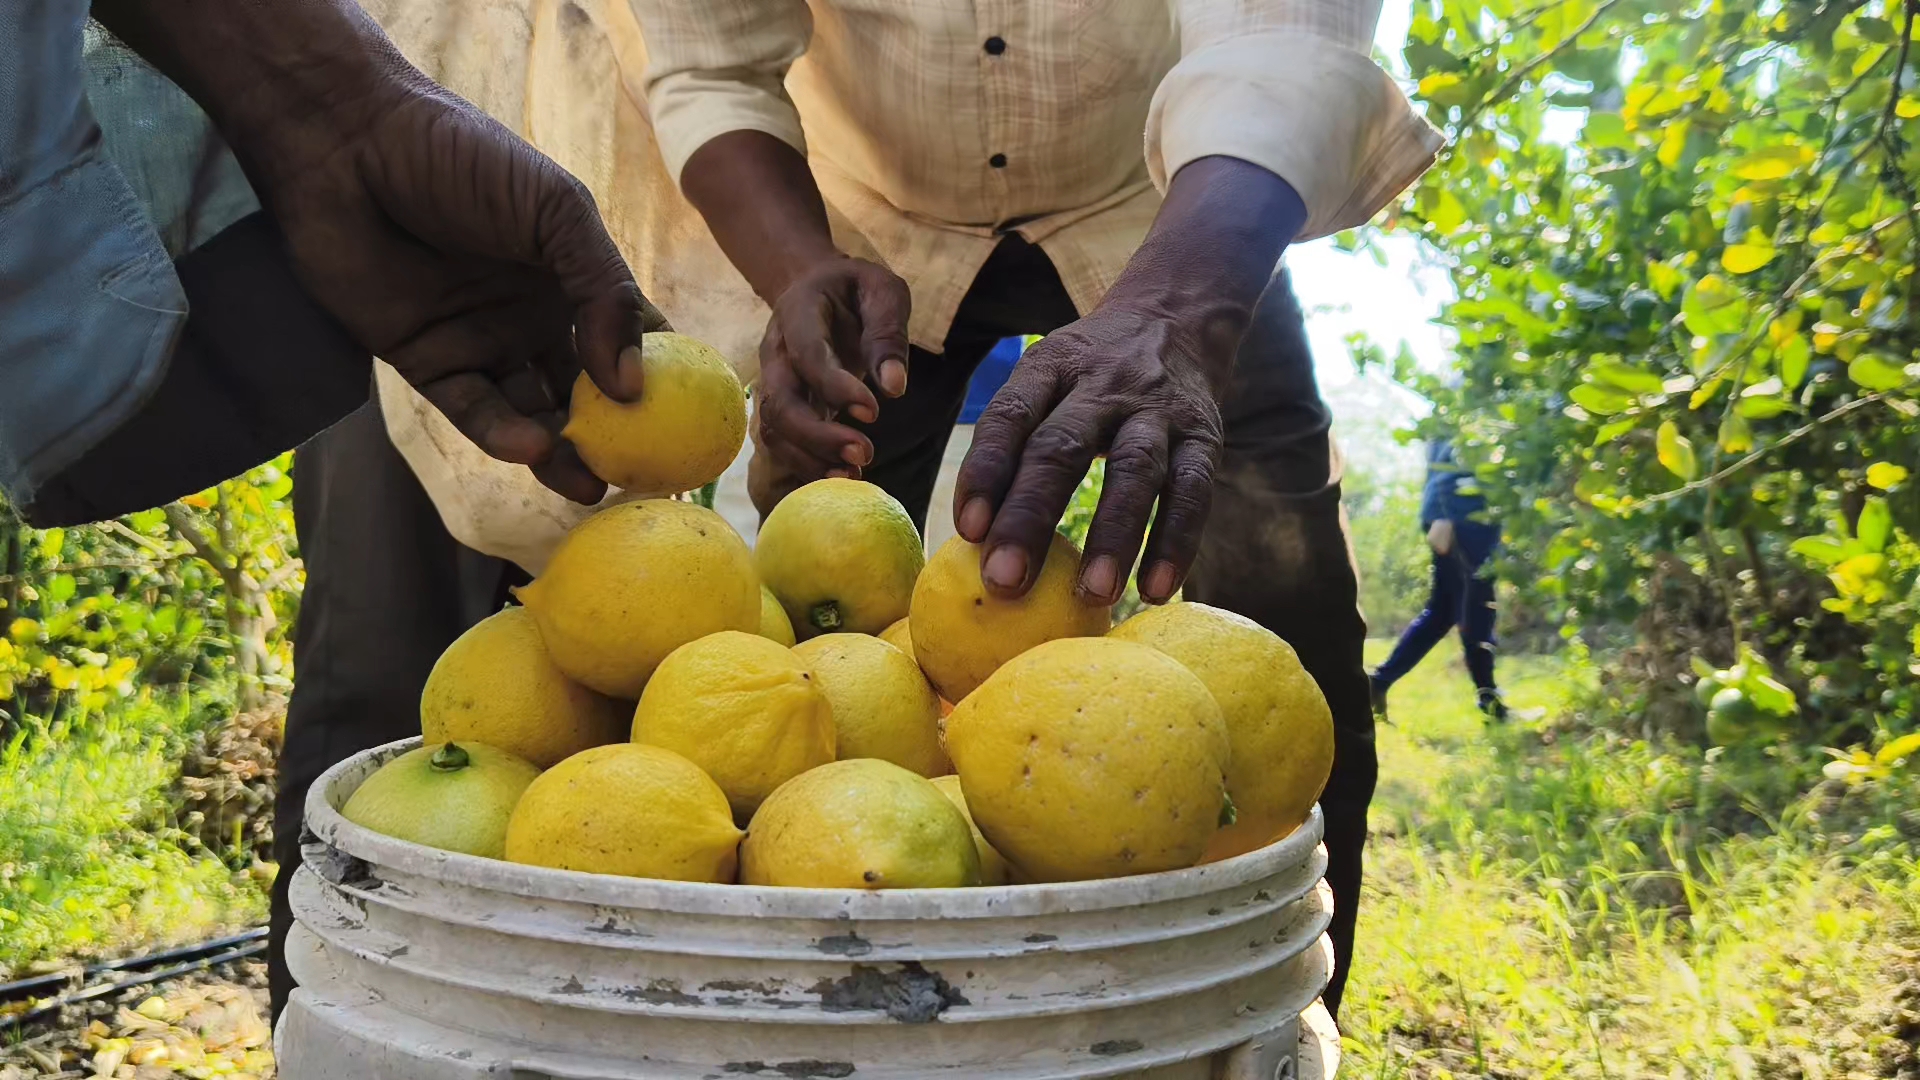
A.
pixel 1684 239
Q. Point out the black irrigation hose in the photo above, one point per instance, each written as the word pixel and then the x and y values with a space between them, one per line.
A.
pixel 204 955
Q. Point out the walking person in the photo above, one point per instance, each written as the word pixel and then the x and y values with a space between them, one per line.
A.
pixel 1454 515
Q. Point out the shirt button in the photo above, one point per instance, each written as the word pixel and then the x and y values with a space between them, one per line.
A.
pixel 996 45
pixel 998 161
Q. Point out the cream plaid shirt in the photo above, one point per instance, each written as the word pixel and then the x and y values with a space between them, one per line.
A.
pixel 932 126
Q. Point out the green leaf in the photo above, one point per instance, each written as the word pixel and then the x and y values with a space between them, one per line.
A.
pixel 1600 400
pixel 1736 435
pixel 1762 408
pixel 1885 475
pixel 1613 430
pixel 1621 376
pixel 1746 258
pixel 1875 526
pixel 1714 306
pixel 1676 452
pixel 1908 108
pixel 1448 213
pixel 1769 695
pixel 1875 372
pixel 1771 163
pixel 1824 550
pixel 1673 143
pixel 1607 129
pixel 1795 356
pixel 60 588
pixel 1903 747
pixel 1666 280
pixel 51 543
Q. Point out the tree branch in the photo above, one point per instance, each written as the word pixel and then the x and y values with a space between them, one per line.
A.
pixel 1760 453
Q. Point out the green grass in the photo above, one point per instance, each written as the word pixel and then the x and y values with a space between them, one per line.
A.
pixel 1549 900
pixel 90 862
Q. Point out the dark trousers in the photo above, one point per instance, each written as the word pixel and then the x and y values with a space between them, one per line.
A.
pixel 1459 596
pixel 388 588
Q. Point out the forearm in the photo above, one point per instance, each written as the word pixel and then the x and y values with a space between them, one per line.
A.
pixel 759 199
pixel 264 70
pixel 1211 252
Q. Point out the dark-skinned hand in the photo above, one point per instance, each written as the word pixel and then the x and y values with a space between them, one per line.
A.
pixel 442 242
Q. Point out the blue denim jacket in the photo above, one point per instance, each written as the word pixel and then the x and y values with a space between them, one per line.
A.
pixel 108 174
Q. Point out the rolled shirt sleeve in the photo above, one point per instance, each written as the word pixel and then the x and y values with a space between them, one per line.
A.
pixel 718 66
pixel 1290 85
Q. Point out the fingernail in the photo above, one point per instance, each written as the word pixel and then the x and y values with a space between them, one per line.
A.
pixel 893 377
pixel 855 454
pixel 1158 584
pixel 630 372
pixel 1098 579
pixel 862 413
pixel 1006 568
pixel 975 519
pixel 840 474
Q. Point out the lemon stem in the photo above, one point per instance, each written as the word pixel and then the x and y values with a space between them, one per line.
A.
pixel 1228 814
pixel 825 615
pixel 449 758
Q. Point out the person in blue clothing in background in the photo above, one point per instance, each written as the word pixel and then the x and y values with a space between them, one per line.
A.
pixel 1455 517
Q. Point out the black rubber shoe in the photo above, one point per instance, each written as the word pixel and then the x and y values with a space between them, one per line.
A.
pixel 1492 705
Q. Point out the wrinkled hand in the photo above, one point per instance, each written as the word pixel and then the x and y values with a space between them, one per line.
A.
pixel 837 332
pixel 1128 382
pixel 469 261
pixel 1440 537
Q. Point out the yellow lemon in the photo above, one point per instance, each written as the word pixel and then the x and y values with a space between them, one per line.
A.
pixel 685 430
pixel 882 705
pixel 636 581
pixel 1092 758
pixel 496 685
pixel 637 811
pixel 961 634
pixel 1277 719
pixel 451 796
pixel 993 865
pixel 900 636
pixel 741 707
pixel 774 624
pixel 841 555
pixel 859 824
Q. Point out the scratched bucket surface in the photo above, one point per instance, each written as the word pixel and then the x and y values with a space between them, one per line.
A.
pixel 416 964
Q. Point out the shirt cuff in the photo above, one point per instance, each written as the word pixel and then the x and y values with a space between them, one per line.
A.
pixel 690 110
pixel 1324 118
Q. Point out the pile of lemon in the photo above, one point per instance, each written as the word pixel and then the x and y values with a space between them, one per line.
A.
pixel 833 709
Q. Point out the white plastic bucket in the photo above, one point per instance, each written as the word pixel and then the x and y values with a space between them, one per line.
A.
pixel 417 964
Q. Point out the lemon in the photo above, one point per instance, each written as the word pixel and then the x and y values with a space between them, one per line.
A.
pixel 1277 719
pixel 687 427
pixel 1092 758
pixel 961 634
pixel 774 624
pixel 900 636
pixel 636 581
pixel 993 865
pixel 841 555
pixel 638 811
pixel 882 705
pixel 451 796
pixel 741 707
pixel 496 685
pixel 859 824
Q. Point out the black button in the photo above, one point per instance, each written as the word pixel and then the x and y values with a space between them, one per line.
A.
pixel 998 161
pixel 996 45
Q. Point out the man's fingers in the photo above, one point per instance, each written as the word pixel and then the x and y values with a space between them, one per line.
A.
pixel 783 410
pixel 807 329
pixel 885 305
pixel 1136 474
pixel 475 405
pixel 999 438
pixel 1052 465
pixel 610 314
pixel 565 473
pixel 1183 515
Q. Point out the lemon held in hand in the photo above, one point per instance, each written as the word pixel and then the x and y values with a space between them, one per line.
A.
pixel 1092 758
pixel 687 427
pixel 451 796
pixel 496 685
pixel 636 581
pixel 882 705
pixel 841 555
pixel 741 707
pixel 1277 719
pixel 638 811
pixel 961 634
pixel 859 824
